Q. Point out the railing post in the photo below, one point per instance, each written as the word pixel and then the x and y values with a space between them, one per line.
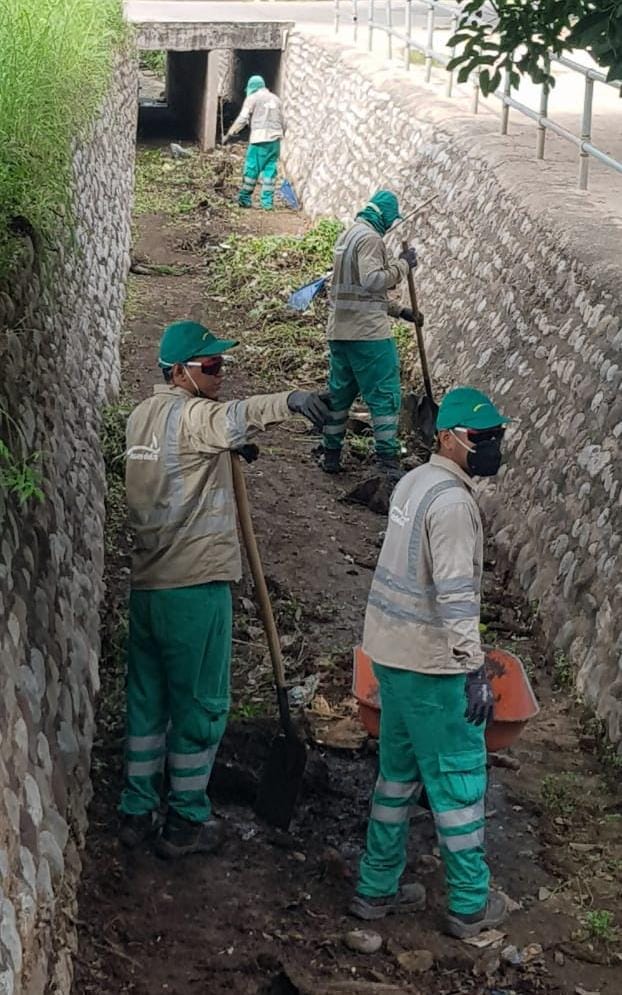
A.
pixel 450 74
pixel 370 25
pixel 389 18
pixel 355 18
pixel 505 110
pixel 544 111
pixel 337 14
pixel 430 42
pixel 409 27
pixel 586 132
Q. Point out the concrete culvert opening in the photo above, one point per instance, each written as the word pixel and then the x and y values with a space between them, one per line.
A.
pixel 172 89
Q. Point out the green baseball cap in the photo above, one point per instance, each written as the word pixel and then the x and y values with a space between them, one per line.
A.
pixel 465 407
pixel 184 339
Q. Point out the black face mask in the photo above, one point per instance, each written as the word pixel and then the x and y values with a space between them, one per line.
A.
pixel 485 459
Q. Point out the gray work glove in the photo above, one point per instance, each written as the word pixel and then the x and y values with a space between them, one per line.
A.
pixel 410 256
pixel 315 407
pixel 249 452
pixel 407 314
pixel 479 696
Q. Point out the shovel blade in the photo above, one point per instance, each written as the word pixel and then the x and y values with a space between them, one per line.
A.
pixel 281 781
pixel 423 411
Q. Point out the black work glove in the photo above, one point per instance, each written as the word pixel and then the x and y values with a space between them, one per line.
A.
pixel 313 406
pixel 410 256
pixel 249 452
pixel 407 314
pixel 479 696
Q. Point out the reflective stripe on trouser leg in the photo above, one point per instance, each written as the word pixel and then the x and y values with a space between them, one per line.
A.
pixel 198 661
pixel 147 711
pixel 396 792
pixel 252 168
pixel 377 369
pixel 269 152
pixel 343 389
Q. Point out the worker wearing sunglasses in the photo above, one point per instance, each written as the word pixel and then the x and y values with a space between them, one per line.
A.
pixel 186 554
pixel 422 632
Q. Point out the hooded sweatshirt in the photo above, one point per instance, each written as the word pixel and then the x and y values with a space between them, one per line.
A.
pixel 359 307
pixel 262 110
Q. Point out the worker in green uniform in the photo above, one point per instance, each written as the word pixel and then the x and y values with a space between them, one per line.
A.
pixel 186 554
pixel 422 632
pixel 363 355
pixel 262 111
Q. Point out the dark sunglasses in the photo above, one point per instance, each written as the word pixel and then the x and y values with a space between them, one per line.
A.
pixel 483 434
pixel 210 367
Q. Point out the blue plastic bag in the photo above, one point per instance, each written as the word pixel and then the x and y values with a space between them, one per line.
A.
pixel 287 193
pixel 300 299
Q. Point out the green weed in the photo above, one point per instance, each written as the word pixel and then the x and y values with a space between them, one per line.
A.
pixel 55 66
pixel 563 674
pixel 175 187
pixel 113 450
pixel 155 61
pixel 20 471
pixel 600 925
pixel 558 793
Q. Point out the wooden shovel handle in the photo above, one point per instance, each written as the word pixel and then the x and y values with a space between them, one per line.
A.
pixel 259 580
pixel 419 332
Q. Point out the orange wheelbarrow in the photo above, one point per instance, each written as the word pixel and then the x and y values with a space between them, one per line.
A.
pixel 515 703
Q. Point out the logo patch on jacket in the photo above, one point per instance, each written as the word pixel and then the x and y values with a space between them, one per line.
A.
pixel 151 453
pixel 399 516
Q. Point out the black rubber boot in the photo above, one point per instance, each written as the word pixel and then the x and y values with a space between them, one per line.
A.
pixel 135 829
pixel 331 463
pixel 391 467
pixel 410 898
pixel 180 837
pixel 464 927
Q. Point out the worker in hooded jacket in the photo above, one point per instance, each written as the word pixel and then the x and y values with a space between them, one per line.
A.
pixel 262 111
pixel 422 632
pixel 363 355
pixel 186 554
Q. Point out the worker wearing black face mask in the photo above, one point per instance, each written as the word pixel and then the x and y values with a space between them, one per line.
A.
pixel 422 632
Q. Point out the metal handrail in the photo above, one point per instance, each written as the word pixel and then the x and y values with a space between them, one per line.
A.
pixel 432 54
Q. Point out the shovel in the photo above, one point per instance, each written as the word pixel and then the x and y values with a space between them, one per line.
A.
pixel 284 769
pixel 423 410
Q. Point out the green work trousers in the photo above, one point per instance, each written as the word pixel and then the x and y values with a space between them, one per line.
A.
pixel 425 740
pixel 371 369
pixel 262 159
pixel 179 656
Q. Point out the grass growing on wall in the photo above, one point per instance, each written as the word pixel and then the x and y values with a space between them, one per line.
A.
pixel 55 62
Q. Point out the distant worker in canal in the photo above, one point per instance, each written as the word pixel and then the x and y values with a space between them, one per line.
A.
pixel 422 632
pixel 186 554
pixel 363 355
pixel 262 111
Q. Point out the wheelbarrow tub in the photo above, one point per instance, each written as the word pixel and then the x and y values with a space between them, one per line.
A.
pixel 514 700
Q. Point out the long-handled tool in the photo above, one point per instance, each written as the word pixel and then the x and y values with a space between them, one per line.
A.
pixel 284 769
pixel 423 409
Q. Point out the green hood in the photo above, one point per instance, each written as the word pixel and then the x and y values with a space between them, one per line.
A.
pixel 381 211
pixel 255 83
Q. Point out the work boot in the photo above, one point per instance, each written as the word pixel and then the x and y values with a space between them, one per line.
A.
pixel 135 829
pixel 391 467
pixel 180 837
pixel 331 462
pixel 410 898
pixel 465 926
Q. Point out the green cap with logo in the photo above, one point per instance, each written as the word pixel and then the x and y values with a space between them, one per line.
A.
pixel 465 407
pixel 184 339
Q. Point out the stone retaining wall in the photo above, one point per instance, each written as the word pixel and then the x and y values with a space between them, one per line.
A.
pixel 521 283
pixel 60 320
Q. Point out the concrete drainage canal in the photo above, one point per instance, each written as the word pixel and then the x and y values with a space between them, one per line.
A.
pixel 268 915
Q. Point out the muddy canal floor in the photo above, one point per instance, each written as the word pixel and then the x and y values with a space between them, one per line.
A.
pixel 268 914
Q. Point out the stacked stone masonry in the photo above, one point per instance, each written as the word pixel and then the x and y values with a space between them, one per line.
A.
pixel 515 304
pixel 60 321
